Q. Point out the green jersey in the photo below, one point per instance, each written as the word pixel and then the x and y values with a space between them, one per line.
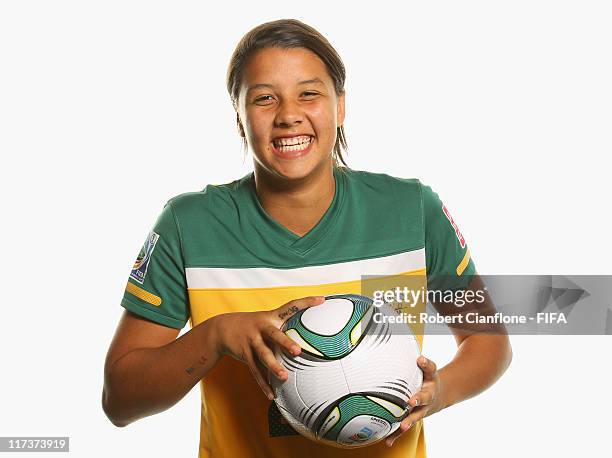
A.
pixel 218 251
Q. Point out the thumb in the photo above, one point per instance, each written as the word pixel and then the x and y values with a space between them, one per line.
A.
pixel 286 311
pixel 427 366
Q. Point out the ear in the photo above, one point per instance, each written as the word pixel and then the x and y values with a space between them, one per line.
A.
pixel 239 124
pixel 340 111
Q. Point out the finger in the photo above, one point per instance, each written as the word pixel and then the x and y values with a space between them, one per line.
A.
pixel 427 366
pixel 266 374
pixel 416 415
pixel 278 337
pixel 404 426
pixel 421 398
pixel 265 387
pixel 267 358
pixel 286 311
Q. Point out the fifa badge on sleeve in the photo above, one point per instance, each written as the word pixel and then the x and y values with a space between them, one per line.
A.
pixel 139 271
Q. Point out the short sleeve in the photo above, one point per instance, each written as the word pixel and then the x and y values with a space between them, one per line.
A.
pixel 156 288
pixel 449 263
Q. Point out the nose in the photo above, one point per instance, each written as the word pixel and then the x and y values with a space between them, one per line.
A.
pixel 288 114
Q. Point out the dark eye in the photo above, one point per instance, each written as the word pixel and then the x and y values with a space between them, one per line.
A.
pixel 310 93
pixel 264 99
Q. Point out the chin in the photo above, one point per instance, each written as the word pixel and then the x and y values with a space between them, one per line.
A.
pixel 294 169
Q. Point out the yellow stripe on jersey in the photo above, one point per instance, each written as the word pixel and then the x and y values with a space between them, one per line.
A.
pixel 208 302
pixel 142 294
pixel 464 262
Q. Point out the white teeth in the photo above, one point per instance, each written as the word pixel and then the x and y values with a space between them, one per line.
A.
pixel 293 144
pixel 292 141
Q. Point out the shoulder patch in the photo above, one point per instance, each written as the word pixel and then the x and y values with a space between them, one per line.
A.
pixel 457 231
pixel 139 271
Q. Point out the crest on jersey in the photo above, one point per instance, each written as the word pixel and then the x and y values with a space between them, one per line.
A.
pixel 457 231
pixel 139 271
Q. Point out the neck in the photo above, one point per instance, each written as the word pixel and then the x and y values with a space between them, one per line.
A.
pixel 296 204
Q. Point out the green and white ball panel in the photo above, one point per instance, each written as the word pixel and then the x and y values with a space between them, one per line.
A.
pixel 360 420
pixel 323 325
pixel 333 329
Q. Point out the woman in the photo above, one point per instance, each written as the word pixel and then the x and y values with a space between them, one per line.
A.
pixel 239 259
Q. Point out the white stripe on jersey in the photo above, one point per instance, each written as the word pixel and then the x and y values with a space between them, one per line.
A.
pixel 265 277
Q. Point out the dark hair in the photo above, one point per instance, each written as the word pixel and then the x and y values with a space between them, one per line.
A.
pixel 288 33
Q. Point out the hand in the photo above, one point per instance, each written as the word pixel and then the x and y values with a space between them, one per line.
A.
pixel 250 337
pixel 425 402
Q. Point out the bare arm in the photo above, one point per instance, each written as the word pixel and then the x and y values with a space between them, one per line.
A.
pixel 483 355
pixel 148 370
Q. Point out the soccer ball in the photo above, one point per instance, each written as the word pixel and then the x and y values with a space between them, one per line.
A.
pixel 350 385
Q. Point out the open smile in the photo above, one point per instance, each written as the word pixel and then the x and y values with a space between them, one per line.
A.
pixel 292 147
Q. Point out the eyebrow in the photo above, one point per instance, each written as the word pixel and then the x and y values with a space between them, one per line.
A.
pixel 271 86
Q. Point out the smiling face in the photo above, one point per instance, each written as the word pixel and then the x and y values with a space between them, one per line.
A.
pixel 289 112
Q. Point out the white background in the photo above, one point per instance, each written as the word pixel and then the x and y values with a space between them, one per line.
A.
pixel 108 109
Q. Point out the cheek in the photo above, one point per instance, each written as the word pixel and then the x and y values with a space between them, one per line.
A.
pixel 257 127
pixel 324 120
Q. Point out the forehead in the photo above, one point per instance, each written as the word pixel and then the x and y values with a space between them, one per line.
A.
pixel 278 66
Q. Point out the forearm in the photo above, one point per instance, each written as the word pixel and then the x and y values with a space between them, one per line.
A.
pixel 146 381
pixel 480 360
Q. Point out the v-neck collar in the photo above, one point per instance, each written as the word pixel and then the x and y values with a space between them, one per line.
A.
pixel 299 244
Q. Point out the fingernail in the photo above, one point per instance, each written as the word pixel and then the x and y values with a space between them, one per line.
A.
pixel 270 396
pixel 423 360
pixel 389 443
pixel 416 402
